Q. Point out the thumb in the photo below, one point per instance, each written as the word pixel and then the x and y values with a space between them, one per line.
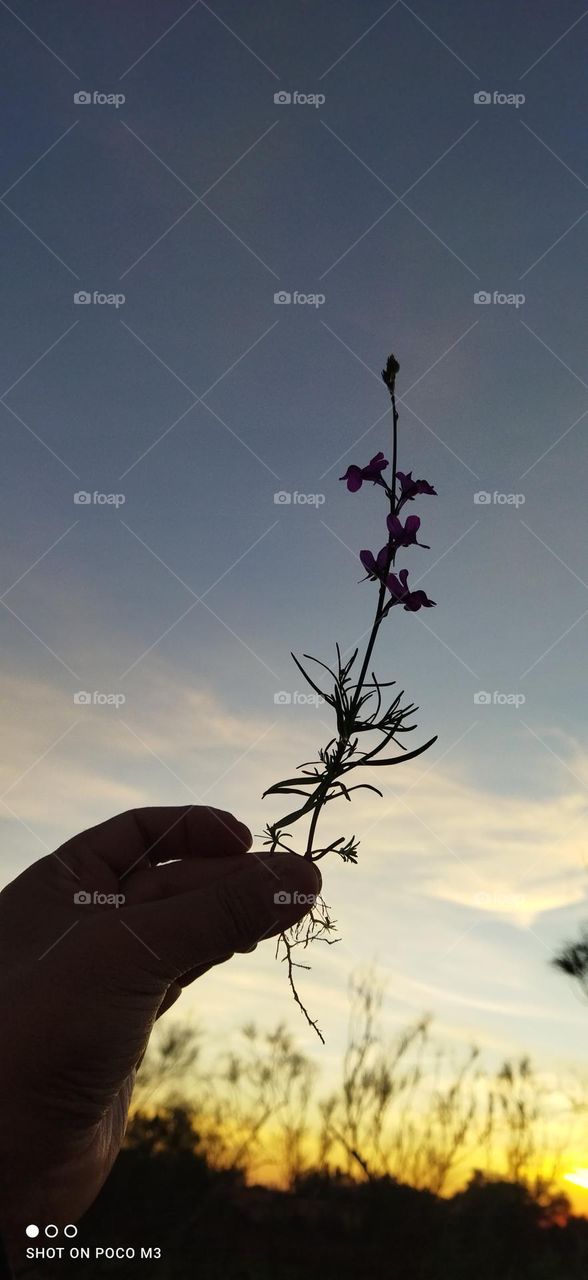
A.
pixel 173 935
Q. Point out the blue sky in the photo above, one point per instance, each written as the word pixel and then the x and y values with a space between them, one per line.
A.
pixel 198 397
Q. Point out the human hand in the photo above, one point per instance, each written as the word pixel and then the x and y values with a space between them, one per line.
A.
pixel 82 983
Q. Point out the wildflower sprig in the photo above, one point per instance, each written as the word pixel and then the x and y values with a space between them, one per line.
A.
pixel 369 727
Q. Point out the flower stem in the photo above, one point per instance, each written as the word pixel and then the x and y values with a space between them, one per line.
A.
pixel 382 592
pixel 379 614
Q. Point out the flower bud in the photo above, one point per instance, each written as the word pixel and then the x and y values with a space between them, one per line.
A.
pixel 389 373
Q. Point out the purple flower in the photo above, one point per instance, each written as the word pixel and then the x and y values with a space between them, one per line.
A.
pixel 410 488
pixel 375 566
pixel 405 536
pixel 355 476
pixel 412 600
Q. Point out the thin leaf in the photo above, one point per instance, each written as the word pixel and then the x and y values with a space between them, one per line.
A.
pixel 410 755
pixel 314 686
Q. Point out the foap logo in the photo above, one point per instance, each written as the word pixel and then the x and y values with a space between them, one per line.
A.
pixel 282 898
pixel 499 901
pixel 83 898
pixel 283 698
pixel 296 99
pixel 283 298
pixel 93 98
pixel 497 699
pixel 82 298
pixel 85 499
pixel 96 699
pixel 497 99
pixel 485 499
pixel 283 498
pixel 485 299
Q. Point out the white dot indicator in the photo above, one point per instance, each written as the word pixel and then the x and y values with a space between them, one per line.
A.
pixel 70 1230
pixel 32 1230
pixel 51 1229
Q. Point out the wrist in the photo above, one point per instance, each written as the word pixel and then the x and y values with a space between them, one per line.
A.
pixel 23 1202
pixel 6 1272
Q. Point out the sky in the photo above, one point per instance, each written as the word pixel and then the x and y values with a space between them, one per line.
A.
pixel 427 154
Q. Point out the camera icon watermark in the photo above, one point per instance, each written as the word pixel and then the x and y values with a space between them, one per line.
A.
pixel 283 98
pixel 83 898
pixel 284 298
pixel 83 298
pixel 483 98
pixel 284 698
pixel 97 699
pixel 83 498
pixel 85 98
pixel 497 699
pixel 484 499
pixel 282 898
pixel 482 298
pixel 285 498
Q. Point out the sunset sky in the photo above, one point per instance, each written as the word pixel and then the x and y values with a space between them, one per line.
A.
pixel 198 397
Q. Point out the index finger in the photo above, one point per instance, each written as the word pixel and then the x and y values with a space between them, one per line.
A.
pixel 146 837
